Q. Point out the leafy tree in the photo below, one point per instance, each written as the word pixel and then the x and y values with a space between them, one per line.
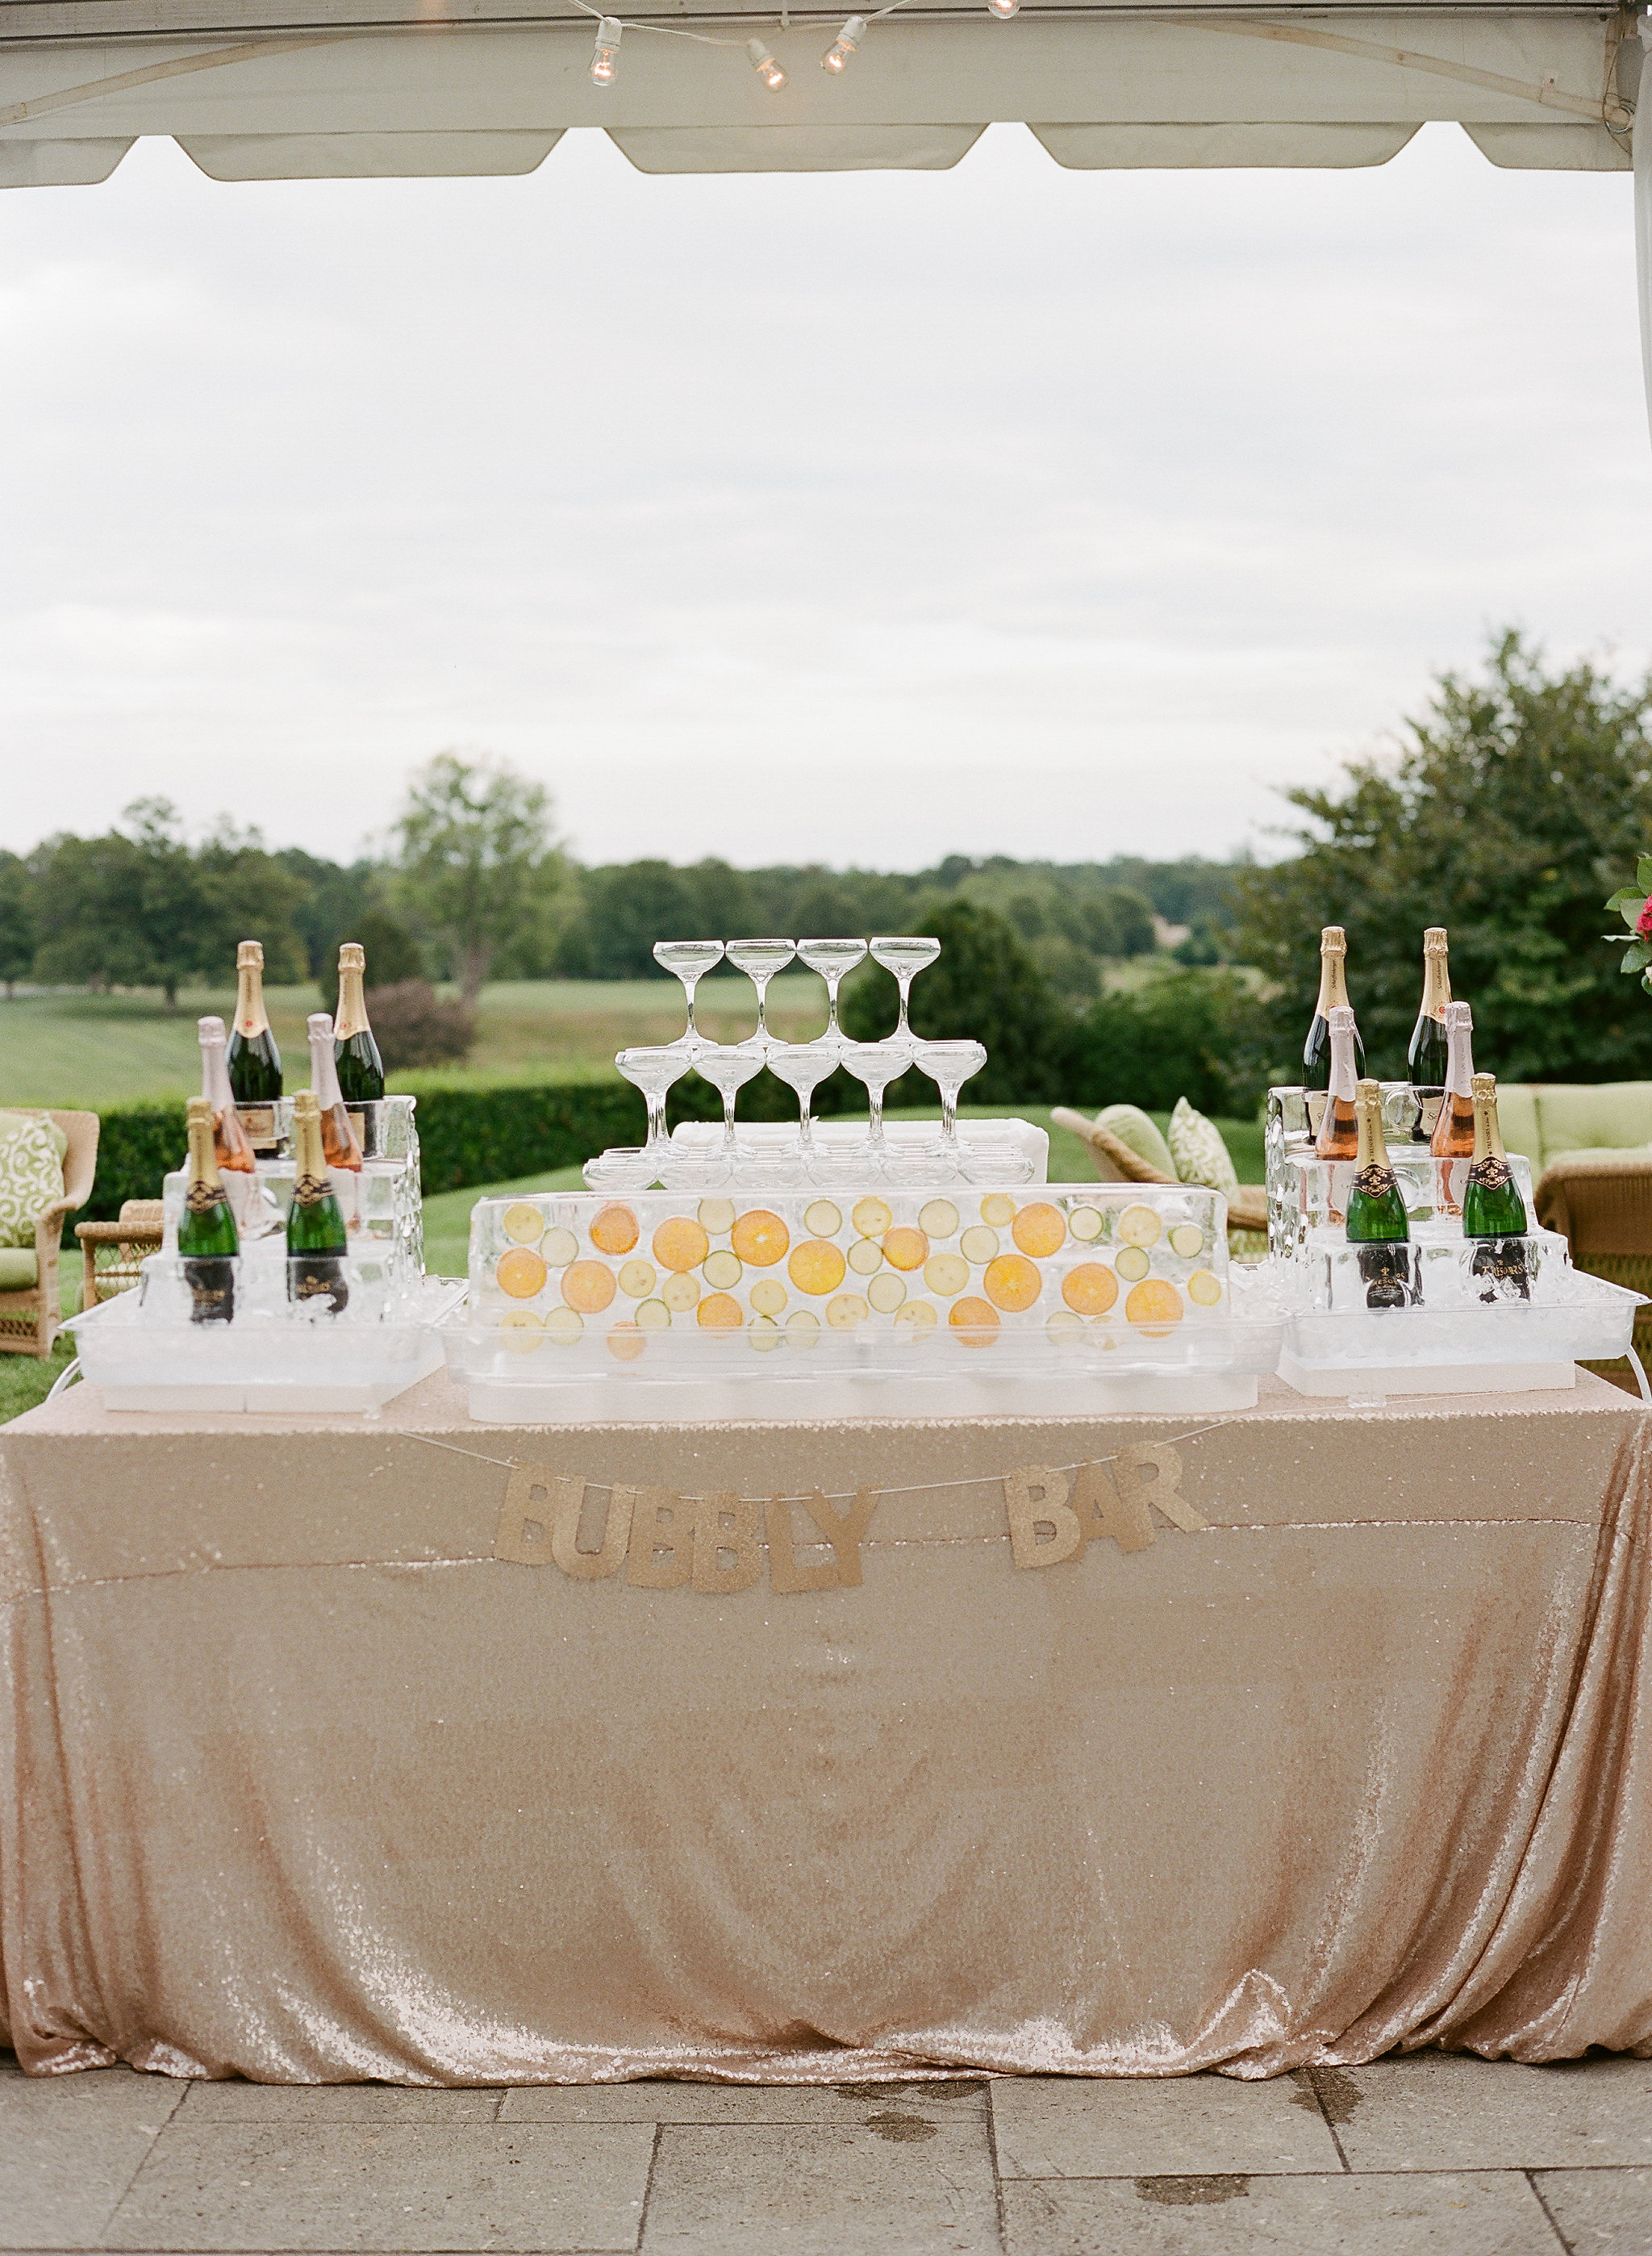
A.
pixel 984 985
pixel 478 868
pixel 1513 809
pixel 394 959
pixel 18 935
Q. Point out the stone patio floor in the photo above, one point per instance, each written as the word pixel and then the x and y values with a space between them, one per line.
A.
pixel 1423 2156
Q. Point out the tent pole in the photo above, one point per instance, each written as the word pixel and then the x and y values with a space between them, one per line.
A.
pixel 1643 145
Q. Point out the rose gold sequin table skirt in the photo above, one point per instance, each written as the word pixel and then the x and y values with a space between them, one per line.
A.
pixel 299 1782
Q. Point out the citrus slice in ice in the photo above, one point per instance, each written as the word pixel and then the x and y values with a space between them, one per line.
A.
pixel 588 1287
pixel 769 1296
pixel 521 1330
pixel 722 1270
pixel 823 1218
pixel 1085 1225
pixel 1064 1328
pixel 998 1209
pixel 1153 1302
pixel 886 1291
pixel 848 1310
pixel 557 1248
pixel 1012 1282
pixel 979 1245
pixel 816 1265
pixel 765 1335
pixel 1138 1225
pixel 680 1245
pixel 975 1322
pixel 918 1315
pixel 1204 1288
pixel 803 1330
pixel 637 1280
pixel 945 1274
pixel 866 1255
pixel 653 1316
pixel 680 1294
pixel 1039 1229
pixel 522 1222
pixel 521 1272
pixel 1187 1239
pixel 906 1249
pixel 938 1218
pixel 563 1327
pixel 1090 1288
pixel 613 1230
pixel 716 1214
pixel 1132 1262
pixel 625 1343
pixel 720 1313
pixel 760 1237
pixel 871 1216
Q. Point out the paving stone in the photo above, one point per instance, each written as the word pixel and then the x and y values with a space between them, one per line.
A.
pixel 904 2187
pixel 659 2099
pixel 1451 2112
pixel 1496 2214
pixel 335 2103
pixel 69 2148
pixel 1600 2210
pixel 1064 2126
pixel 326 2186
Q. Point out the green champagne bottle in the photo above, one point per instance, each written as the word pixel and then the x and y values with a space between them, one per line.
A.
pixel 360 1069
pixel 315 1225
pixel 1377 1221
pixel 1494 1211
pixel 255 1062
pixel 208 1239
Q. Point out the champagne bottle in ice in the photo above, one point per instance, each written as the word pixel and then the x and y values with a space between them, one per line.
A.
pixel 360 1069
pixel 316 1237
pixel 339 1139
pixel 1376 1219
pixel 1426 1059
pixel 1339 1137
pixel 255 1062
pixel 1494 1211
pixel 208 1239
pixel 1452 1142
pixel 1333 995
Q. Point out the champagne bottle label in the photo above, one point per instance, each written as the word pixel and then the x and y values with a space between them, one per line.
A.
pixel 1375 1182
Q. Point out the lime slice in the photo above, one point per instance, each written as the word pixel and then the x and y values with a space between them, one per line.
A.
pixel 822 1219
pixel 1132 1263
pixel 557 1248
pixel 1085 1225
pixel 939 1219
pixel 722 1270
pixel 980 1247
pixel 716 1215
pixel 886 1291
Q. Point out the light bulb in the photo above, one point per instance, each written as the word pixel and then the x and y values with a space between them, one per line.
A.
pixel 1004 9
pixel 605 63
pixel 765 65
pixel 845 44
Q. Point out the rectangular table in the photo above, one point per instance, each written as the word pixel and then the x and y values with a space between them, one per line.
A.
pixel 316 1764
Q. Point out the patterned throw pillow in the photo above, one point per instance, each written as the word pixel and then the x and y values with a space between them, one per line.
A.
pixel 1138 1134
pixel 31 1177
pixel 1196 1147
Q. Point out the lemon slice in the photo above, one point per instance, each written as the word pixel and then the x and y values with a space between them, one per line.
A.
pixel 848 1310
pixel 886 1291
pixel 945 1274
pixel 1138 1225
pixel 1132 1263
pixel 765 1335
pixel 557 1248
pixel 1085 1225
pixel 521 1330
pixel 653 1316
pixel 919 1315
pixel 871 1217
pixel 562 1325
pixel 722 1270
pixel 803 1330
pixel 637 1280
pixel 939 1219
pixel 680 1294
pixel 522 1222
pixel 822 1219
pixel 769 1296
pixel 1204 1289
pixel 866 1255
pixel 716 1215
pixel 1187 1239
pixel 980 1247
pixel 998 1209
pixel 1064 1328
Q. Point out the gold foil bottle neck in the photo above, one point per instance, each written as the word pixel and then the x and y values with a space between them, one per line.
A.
pixel 1435 940
pixel 250 956
pixel 352 955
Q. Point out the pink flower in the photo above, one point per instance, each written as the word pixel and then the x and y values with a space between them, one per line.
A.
pixel 1643 922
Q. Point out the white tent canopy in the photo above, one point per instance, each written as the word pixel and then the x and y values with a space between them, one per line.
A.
pixel 262 89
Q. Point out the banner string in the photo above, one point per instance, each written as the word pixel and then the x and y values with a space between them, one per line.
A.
pixel 841 1495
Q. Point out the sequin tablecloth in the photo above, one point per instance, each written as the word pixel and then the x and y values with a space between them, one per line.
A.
pixel 300 1782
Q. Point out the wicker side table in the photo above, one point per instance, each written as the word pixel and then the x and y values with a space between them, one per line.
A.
pixel 123 1245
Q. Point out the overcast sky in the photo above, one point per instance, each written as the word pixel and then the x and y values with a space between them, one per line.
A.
pixel 862 517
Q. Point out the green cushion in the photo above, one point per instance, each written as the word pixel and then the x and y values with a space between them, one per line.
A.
pixel 1196 1147
pixel 20 1271
pixel 31 1177
pixel 1609 1117
pixel 59 1136
pixel 1517 1117
pixel 1137 1132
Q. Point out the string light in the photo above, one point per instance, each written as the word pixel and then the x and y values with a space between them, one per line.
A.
pixel 1004 9
pixel 765 65
pixel 845 44
pixel 605 63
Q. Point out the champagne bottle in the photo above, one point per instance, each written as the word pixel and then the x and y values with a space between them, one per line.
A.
pixel 1494 1211
pixel 1339 1137
pixel 1333 995
pixel 1426 1059
pixel 208 1240
pixel 315 1226
pixel 255 1062
pixel 338 1137
pixel 1452 1142
pixel 360 1069
pixel 230 1144
pixel 1376 1220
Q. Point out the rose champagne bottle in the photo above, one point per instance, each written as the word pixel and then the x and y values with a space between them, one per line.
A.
pixel 1333 995
pixel 1426 1059
pixel 338 1136
pixel 1339 1137
pixel 230 1142
pixel 1452 1142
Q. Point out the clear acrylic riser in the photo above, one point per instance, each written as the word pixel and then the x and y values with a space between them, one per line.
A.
pixel 1306 1193
pixel 881 1302
pixel 146 1353
pixel 769 1154
pixel 1436 1268
pixel 385 1129
pixel 382 1205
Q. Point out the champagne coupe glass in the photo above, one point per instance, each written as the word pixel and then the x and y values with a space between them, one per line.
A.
pixel 803 1067
pixel 653 1069
pixel 729 1067
pixel 832 959
pixel 691 960
pixel 760 960
pixel 905 957
pixel 874 1065
pixel 949 1065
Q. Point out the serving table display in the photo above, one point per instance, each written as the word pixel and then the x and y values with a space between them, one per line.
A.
pixel 446 1752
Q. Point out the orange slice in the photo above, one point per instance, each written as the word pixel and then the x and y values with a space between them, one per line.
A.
pixel 976 1322
pixel 1153 1302
pixel 720 1313
pixel 588 1287
pixel 613 1230
pixel 760 1238
pixel 1011 1282
pixel 816 1265
pixel 1090 1288
pixel 1039 1229
pixel 680 1245
pixel 520 1273
pixel 625 1343
pixel 906 1249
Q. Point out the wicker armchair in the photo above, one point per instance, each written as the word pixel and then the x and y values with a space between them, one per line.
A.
pixel 29 1319
pixel 113 1251
pixel 1117 1163
pixel 1601 1203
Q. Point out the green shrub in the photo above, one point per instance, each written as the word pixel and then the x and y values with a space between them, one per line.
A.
pixel 1182 1033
